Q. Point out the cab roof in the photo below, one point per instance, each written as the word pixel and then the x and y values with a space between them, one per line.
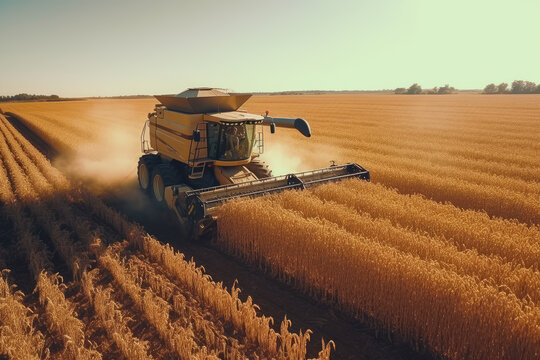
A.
pixel 233 116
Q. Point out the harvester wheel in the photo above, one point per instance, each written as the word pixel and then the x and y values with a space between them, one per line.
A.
pixel 163 175
pixel 145 169
pixel 259 168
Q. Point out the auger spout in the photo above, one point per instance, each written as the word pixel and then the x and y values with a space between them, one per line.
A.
pixel 299 124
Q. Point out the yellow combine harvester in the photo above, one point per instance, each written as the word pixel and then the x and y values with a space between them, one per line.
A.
pixel 200 150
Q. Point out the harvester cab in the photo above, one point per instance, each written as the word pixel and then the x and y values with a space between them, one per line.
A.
pixel 201 150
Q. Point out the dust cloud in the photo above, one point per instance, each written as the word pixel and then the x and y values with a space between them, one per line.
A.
pixel 110 161
pixel 285 156
pixel 282 160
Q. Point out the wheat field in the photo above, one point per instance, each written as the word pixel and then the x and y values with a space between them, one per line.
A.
pixel 442 247
pixel 128 295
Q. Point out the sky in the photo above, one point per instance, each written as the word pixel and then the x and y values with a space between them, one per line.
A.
pixel 78 48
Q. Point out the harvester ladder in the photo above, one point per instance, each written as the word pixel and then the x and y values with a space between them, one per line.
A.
pixel 259 142
pixel 195 161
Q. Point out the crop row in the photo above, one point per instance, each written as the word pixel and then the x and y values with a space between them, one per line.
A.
pixel 415 283
pixel 444 150
pixel 474 162
pixel 19 336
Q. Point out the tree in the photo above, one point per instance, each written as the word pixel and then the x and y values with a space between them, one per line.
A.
pixel 537 91
pixel 529 87
pixel 446 89
pixel 400 91
pixel 518 87
pixel 414 89
pixel 490 89
pixel 501 88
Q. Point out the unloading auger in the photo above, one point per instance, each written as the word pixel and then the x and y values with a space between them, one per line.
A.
pixel 200 151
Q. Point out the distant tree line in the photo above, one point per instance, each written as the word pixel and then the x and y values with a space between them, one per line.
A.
pixel 29 97
pixel 416 89
pixel 518 87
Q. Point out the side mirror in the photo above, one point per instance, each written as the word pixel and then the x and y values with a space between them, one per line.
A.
pixel 196 135
pixel 273 128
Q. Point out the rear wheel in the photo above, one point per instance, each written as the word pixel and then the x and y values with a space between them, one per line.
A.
pixel 259 168
pixel 144 177
pixel 144 171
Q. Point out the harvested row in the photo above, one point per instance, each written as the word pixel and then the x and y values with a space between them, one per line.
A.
pixel 190 279
pixel 523 282
pixel 6 193
pixel 40 187
pixel 425 303
pixel 52 299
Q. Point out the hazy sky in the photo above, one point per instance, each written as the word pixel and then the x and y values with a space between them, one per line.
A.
pixel 90 48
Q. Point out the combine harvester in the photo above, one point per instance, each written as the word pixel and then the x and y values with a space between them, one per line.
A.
pixel 200 151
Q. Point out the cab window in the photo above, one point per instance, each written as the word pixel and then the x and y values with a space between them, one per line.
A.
pixel 235 142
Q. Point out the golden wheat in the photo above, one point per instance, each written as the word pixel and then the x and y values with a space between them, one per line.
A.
pixel 155 310
pixel 523 282
pixel 19 339
pixel 435 273
pixel 32 184
pixel 51 173
pixel 112 320
pixel 514 242
pixel 61 318
pixel 452 314
pixel 439 149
